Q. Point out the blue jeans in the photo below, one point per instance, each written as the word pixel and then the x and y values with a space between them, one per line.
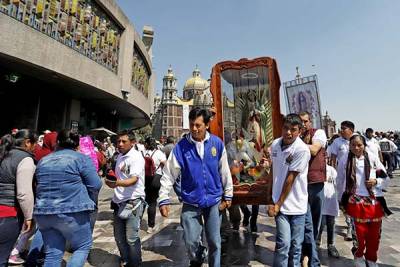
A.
pixel 36 250
pixel 10 228
pixel 313 222
pixel 57 229
pixel 289 238
pixel 192 223
pixel 126 234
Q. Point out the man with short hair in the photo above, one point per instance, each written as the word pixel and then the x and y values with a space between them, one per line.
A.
pixel 388 148
pixel 128 200
pixel 206 187
pixel 316 141
pixel 338 151
pixel 373 144
pixel 169 145
pixel 290 158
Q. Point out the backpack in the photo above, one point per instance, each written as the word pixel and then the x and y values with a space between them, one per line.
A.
pixel 149 166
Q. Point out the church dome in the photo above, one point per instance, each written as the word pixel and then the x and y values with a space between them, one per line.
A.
pixel 170 73
pixel 196 82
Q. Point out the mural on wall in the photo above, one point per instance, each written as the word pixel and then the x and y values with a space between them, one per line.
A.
pixel 140 74
pixel 79 24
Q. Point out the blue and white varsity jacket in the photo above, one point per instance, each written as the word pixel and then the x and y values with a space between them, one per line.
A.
pixel 204 181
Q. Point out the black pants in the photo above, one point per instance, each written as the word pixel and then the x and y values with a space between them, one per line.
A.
pixel 329 221
pixel 388 162
pixel 250 215
pixel 152 187
pixel 9 231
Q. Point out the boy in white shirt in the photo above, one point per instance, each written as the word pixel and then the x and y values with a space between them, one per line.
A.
pixel 290 157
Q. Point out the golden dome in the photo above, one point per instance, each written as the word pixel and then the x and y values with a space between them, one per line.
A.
pixel 196 82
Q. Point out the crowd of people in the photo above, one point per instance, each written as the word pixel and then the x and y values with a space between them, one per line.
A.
pixel 49 188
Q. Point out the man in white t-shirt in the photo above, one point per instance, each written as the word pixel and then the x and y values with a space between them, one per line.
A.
pixel 290 157
pixel 128 199
pixel 373 144
pixel 338 152
pixel 388 149
pixel 152 182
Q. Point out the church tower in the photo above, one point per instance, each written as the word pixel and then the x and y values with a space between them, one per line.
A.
pixel 169 88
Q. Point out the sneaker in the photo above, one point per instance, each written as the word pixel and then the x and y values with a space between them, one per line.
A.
pixel 349 236
pixel 333 252
pixel 150 230
pixel 15 259
pixel 359 262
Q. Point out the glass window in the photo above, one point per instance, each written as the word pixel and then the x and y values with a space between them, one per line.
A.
pixel 247 119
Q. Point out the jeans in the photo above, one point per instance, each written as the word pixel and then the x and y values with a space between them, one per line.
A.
pixel 36 251
pixel 289 238
pixel 313 221
pixel 192 223
pixel 126 234
pixel 57 229
pixel 397 159
pixel 329 221
pixel 10 228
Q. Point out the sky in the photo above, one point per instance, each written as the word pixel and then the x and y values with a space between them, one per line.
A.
pixel 352 45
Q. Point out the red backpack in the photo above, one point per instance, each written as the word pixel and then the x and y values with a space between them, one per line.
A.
pixel 149 166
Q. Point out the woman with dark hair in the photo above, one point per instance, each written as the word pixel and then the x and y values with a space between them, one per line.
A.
pixel 17 168
pixel 363 200
pixel 154 163
pixel 67 187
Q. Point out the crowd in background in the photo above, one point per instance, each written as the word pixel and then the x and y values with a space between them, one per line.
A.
pixel 49 186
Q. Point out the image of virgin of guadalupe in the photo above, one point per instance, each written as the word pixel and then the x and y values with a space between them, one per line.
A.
pixel 302 100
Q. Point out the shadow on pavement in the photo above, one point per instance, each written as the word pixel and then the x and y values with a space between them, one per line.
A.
pixel 99 257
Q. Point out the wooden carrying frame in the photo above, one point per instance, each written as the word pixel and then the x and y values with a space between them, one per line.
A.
pixel 257 193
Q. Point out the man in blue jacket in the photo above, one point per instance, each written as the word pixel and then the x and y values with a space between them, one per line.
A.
pixel 200 160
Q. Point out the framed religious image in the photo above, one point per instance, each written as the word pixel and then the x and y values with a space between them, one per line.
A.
pixel 248 119
pixel 303 95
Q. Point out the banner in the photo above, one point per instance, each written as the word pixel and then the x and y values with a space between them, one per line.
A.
pixel 302 94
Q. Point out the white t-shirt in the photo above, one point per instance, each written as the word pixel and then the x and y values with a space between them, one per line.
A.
pixel 320 136
pixel 293 158
pixel 376 164
pixel 128 165
pixel 373 146
pixel 157 157
pixel 387 145
pixel 330 205
pixel 340 148
pixel 139 147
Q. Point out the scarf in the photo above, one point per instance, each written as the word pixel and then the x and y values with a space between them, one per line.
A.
pixel 351 173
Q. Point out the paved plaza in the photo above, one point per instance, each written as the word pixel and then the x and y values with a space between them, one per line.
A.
pixel 165 247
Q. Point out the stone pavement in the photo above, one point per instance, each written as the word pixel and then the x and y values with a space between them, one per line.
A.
pixel 165 247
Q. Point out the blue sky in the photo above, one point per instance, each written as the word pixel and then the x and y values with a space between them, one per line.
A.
pixel 353 45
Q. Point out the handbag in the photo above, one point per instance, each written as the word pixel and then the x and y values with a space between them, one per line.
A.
pixel 127 209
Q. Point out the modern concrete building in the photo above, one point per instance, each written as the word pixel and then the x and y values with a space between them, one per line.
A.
pixel 73 63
